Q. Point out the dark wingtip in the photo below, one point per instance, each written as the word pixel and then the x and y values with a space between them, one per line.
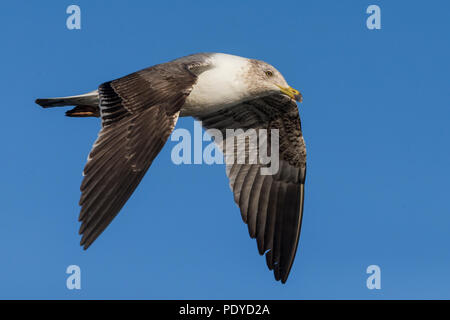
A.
pixel 84 244
pixel 284 278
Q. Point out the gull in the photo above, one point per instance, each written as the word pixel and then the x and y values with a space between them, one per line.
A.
pixel 138 113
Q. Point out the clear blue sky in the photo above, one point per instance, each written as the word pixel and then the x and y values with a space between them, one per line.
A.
pixel 375 118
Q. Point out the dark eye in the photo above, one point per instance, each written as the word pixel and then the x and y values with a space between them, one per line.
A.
pixel 269 73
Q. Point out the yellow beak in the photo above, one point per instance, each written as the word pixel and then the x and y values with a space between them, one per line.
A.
pixel 291 92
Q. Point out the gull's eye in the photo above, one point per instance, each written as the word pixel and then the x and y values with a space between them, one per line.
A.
pixel 269 73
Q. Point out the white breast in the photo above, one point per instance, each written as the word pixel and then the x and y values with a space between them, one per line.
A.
pixel 219 87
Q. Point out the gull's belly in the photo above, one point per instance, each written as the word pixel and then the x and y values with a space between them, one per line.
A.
pixel 206 98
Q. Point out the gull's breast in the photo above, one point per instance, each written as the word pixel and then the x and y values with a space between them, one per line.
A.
pixel 220 87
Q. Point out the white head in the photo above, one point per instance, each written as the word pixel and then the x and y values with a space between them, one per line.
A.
pixel 234 79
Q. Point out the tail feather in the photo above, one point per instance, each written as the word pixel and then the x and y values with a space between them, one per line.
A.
pixel 86 105
pixel 84 111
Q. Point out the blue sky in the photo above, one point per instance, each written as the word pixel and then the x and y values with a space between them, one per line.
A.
pixel 375 119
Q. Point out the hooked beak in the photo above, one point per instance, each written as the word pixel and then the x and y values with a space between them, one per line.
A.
pixel 292 93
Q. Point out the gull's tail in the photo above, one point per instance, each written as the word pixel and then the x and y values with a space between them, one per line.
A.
pixel 86 105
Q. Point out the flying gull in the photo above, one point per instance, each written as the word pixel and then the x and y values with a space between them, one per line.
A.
pixel 138 113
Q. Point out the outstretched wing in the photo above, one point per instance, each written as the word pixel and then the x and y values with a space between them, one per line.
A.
pixel 138 114
pixel 271 204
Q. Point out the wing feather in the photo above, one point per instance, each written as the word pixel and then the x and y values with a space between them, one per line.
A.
pixel 138 113
pixel 270 205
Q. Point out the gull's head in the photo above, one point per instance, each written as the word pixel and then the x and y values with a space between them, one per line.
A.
pixel 232 79
pixel 264 79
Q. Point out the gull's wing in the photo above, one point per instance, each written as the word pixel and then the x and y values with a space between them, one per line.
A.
pixel 271 205
pixel 138 114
